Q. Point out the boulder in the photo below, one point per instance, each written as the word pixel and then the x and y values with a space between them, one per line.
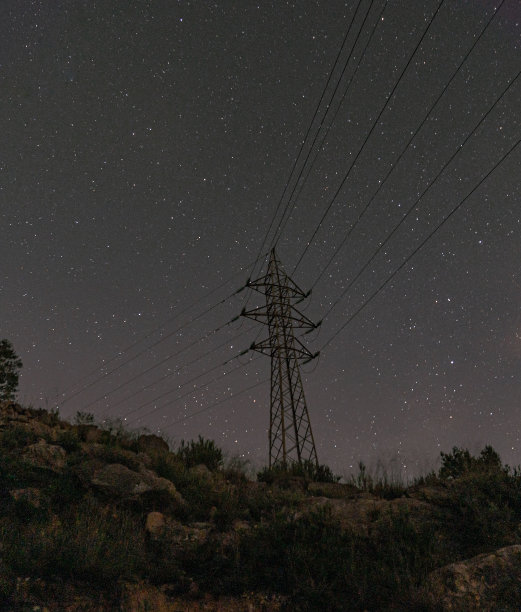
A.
pixel 151 444
pixel 109 454
pixel 488 582
pixel 155 524
pixel 38 428
pixel 141 596
pixel 239 525
pixel 119 481
pixel 359 513
pixel 45 455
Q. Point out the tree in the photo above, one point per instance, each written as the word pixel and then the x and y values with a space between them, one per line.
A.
pixel 10 363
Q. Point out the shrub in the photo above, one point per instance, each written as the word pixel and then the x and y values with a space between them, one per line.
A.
pixel 17 437
pixel 460 461
pixel 484 510
pixel 168 465
pixel 27 512
pixel 89 543
pixel 48 417
pixel 15 473
pixel 10 365
pixel 284 474
pixel 64 490
pixel 382 486
pixel 226 510
pixel 317 564
pixel 115 434
pixel 237 469
pixel 68 440
pixel 200 451
pixel 84 418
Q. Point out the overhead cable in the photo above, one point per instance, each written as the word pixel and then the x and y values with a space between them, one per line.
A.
pixel 191 391
pixel 296 192
pixel 315 114
pixel 162 339
pixel 427 188
pixel 398 159
pixel 375 123
pixel 206 408
pixel 420 246
pixel 161 326
pixel 176 370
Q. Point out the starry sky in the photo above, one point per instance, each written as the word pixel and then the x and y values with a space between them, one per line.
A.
pixel 146 147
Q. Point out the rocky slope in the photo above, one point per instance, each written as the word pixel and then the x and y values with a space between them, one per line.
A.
pixel 98 519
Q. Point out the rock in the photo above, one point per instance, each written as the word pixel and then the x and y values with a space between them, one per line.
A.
pixel 46 455
pixel 152 444
pixel 109 454
pixel 155 524
pixel 86 469
pixel 38 428
pixel 119 481
pixel 431 494
pixel 487 583
pixel 141 596
pixel 358 513
pixel 239 525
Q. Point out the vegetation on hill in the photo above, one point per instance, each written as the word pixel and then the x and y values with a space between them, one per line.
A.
pixel 95 518
pixel 10 364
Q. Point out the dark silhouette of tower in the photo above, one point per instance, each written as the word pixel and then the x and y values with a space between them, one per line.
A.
pixel 290 435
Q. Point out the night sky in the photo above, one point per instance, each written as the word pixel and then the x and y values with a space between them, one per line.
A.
pixel 146 146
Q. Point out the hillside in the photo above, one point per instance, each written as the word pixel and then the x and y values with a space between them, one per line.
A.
pixel 99 519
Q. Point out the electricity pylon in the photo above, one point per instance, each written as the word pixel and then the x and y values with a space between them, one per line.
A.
pixel 290 435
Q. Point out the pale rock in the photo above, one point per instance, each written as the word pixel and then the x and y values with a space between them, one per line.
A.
pixel 45 455
pixel 140 596
pixel 118 480
pixel 152 444
pixel 486 583
pixel 155 524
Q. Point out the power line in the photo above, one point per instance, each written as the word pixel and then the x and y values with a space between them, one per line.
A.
pixel 176 370
pixel 206 408
pixel 274 239
pixel 287 213
pixel 193 379
pixel 415 203
pixel 390 95
pixel 315 114
pixel 162 339
pixel 429 236
pixel 161 326
pixel 191 391
pixel 398 159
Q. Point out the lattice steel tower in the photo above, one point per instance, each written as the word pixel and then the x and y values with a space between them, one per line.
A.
pixel 290 435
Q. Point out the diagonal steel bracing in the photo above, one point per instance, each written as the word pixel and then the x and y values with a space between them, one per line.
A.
pixel 290 434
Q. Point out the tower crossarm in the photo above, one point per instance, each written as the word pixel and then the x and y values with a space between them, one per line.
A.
pixel 297 319
pixel 290 435
pixel 299 352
